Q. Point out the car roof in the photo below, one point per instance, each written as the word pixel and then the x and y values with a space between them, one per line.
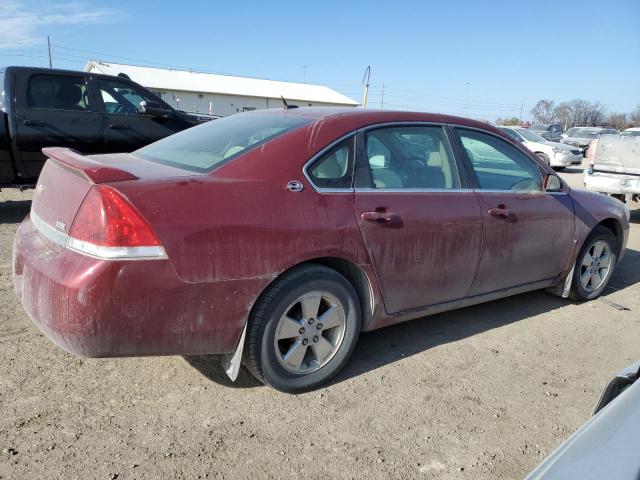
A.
pixel 364 117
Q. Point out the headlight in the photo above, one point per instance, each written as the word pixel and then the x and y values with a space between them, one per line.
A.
pixel 558 150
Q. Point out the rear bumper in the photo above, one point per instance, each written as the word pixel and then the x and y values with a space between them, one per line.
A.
pixel 616 183
pixel 103 308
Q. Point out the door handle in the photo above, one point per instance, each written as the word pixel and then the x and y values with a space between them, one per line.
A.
pixel 34 123
pixel 500 211
pixel 380 217
pixel 119 126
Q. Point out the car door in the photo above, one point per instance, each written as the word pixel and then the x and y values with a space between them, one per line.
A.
pixel 420 222
pixel 126 129
pixel 527 232
pixel 53 110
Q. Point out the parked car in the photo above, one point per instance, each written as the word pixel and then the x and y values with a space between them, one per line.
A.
pixel 554 154
pixel 581 136
pixel 631 132
pixel 88 112
pixel 551 132
pixel 281 235
pixel 614 167
pixel 606 446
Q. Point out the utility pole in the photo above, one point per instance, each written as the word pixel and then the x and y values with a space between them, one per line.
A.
pixel 466 100
pixel 304 73
pixel 49 47
pixel 382 98
pixel 367 75
pixel 521 106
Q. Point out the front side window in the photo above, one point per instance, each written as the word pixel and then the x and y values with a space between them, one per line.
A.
pixel 122 98
pixel 206 146
pixel 335 168
pixel 410 157
pixel 58 92
pixel 498 165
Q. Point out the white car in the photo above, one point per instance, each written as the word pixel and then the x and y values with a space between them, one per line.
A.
pixel 557 155
pixel 631 132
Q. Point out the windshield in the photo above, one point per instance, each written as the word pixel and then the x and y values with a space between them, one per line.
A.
pixel 206 146
pixel 583 133
pixel 512 133
pixel 531 136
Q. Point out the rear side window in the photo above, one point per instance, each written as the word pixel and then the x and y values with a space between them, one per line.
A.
pixel 410 157
pixel 58 92
pixel 206 146
pixel 335 168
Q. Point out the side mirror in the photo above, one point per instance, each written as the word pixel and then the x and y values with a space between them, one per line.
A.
pixel 552 183
pixel 153 108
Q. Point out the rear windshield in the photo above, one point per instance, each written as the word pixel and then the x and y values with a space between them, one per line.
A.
pixel 207 146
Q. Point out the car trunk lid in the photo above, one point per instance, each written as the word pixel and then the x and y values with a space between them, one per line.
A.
pixel 68 176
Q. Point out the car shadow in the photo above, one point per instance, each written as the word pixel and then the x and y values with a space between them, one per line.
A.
pixel 14 211
pixel 388 345
pixel 210 367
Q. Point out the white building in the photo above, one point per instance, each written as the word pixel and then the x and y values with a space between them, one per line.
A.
pixel 222 94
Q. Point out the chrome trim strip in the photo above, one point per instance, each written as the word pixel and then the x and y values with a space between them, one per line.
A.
pixel 322 152
pixel 56 236
pixel 414 190
pixel 96 251
pixel 116 253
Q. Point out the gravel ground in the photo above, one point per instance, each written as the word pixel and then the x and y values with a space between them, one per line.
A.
pixel 480 393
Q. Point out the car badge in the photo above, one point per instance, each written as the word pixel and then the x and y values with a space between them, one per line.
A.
pixel 295 186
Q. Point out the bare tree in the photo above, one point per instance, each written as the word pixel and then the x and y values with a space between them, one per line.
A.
pixel 580 112
pixel 634 117
pixel 618 120
pixel 543 111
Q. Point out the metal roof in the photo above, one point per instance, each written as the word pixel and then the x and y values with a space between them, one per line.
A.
pixel 185 81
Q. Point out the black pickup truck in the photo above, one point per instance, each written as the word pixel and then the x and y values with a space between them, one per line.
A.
pixel 88 112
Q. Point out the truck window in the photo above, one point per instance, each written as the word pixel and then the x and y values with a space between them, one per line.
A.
pixel 58 92
pixel 120 97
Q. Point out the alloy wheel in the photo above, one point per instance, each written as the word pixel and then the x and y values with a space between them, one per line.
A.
pixel 310 332
pixel 595 266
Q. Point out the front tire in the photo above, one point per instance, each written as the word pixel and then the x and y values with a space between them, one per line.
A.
pixel 594 265
pixel 303 329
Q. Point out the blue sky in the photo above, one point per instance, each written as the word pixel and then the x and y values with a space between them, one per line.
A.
pixel 510 53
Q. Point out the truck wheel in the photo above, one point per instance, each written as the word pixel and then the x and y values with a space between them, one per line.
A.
pixel 594 265
pixel 303 329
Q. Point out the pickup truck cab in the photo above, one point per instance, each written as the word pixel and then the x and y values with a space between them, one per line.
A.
pixel 88 112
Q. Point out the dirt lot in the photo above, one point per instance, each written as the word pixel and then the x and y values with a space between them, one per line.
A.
pixel 480 393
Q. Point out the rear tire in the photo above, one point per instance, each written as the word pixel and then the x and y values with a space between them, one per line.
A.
pixel 594 265
pixel 288 346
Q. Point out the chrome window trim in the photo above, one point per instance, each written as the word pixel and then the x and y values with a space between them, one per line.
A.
pixel 320 154
pixel 414 190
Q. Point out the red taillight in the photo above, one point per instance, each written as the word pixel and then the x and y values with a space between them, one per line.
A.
pixel 107 226
pixel 107 219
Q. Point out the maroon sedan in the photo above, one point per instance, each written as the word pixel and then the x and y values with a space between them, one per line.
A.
pixel 278 236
